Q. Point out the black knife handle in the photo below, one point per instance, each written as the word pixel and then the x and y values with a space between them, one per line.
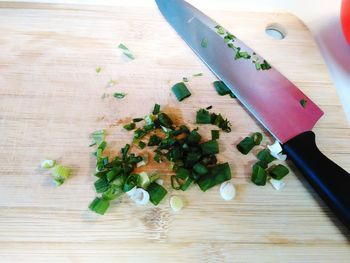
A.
pixel 328 179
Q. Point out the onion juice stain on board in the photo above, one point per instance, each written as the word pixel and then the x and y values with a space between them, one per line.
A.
pixel 156 222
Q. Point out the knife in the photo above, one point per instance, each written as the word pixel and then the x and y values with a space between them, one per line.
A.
pixel 269 96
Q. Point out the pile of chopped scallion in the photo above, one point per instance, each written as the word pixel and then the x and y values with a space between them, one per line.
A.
pixel 192 160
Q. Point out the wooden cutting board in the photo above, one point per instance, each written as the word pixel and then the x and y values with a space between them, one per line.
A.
pixel 50 101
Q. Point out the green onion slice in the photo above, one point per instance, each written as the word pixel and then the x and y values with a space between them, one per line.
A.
pixel 126 51
pixel 156 193
pixel 99 205
pixel 278 171
pixel 181 91
pixel 259 175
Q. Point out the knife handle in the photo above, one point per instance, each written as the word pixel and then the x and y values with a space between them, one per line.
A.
pixel 328 179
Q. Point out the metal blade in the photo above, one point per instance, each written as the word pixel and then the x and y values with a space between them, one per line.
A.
pixel 268 95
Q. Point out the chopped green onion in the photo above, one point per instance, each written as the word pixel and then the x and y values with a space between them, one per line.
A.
pixel 204 43
pixel 60 174
pixel 257 137
pixel 262 164
pixel 99 205
pixel 47 164
pixel 164 120
pixel 218 120
pixel 184 79
pixel 156 193
pixel 98 136
pixel 143 180
pixel 187 184
pixel 156 109
pixel 259 175
pixel 303 103
pixel 209 107
pixel 101 185
pixel 119 95
pixel 220 30
pixel 125 150
pixel 175 183
pixel 197 75
pixel 232 95
pixel 137 119
pixel 157 157
pixel 112 193
pixel 210 147
pixel 176 203
pixel 111 83
pixel 194 137
pixel 217 175
pixel 126 51
pixel 141 145
pixel 182 173
pixel 215 134
pixel 221 88
pixel 200 169
pixel 265 156
pixel 246 145
pixel 181 91
pixel 203 117
pixel 278 171
pixel 130 182
pixel 129 126
pixel 98 69
pixel 154 140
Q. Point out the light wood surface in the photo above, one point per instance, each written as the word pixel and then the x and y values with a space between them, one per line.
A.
pixel 50 101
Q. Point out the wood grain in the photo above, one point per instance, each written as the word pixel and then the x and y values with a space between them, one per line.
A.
pixel 50 101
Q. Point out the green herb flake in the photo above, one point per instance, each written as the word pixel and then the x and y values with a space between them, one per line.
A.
pixel 98 70
pixel 220 30
pixel 156 109
pixel 99 205
pixel 141 145
pixel 137 119
pixel 181 91
pixel 126 51
pixel 221 88
pixel 197 75
pixel 303 103
pixel 215 134
pixel 119 95
pixel 184 79
pixel 129 126
pixel 204 43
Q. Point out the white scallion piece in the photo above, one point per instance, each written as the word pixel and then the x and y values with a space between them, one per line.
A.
pixel 276 151
pixel 47 164
pixel 176 203
pixel 131 191
pixel 277 184
pixel 160 181
pixel 143 180
pixel 140 196
pixel 143 162
pixel 227 191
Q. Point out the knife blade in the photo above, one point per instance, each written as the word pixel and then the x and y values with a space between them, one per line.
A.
pixel 273 99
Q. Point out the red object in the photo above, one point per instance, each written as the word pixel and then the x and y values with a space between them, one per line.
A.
pixel 345 18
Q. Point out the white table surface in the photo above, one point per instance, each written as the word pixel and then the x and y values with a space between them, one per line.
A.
pixel 320 16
